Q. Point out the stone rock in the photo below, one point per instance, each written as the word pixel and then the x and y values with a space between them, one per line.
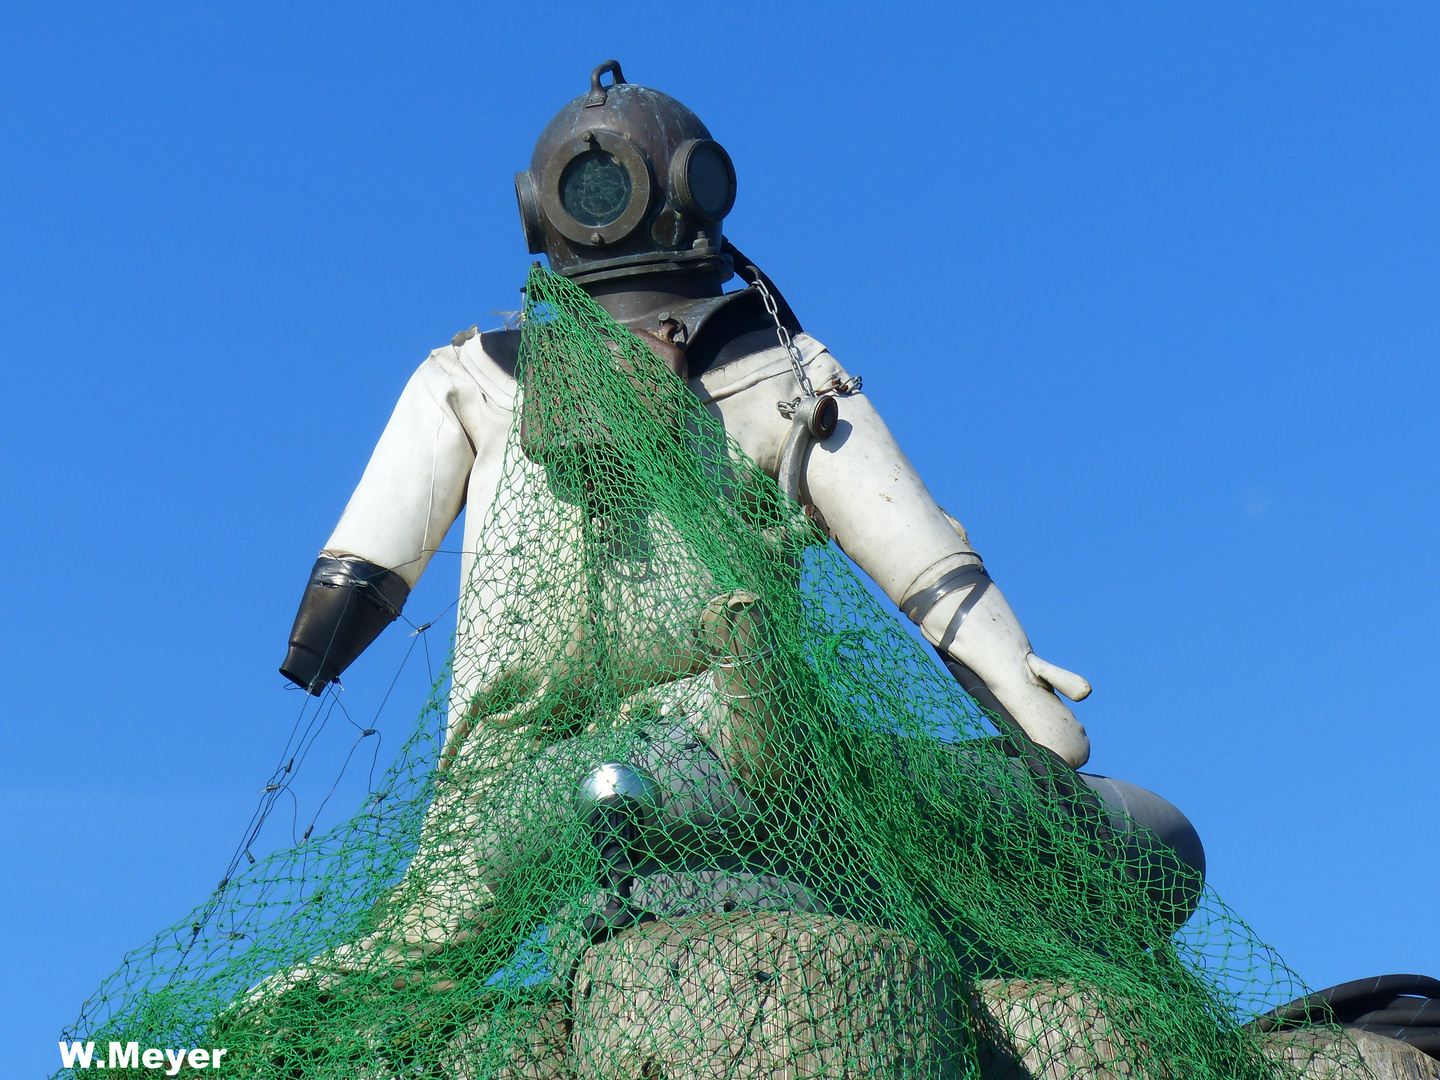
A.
pixel 1326 1054
pixel 1046 1030
pixel 541 1052
pixel 772 996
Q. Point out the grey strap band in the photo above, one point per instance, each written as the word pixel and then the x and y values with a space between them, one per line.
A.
pixel 918 605
pixel 953 627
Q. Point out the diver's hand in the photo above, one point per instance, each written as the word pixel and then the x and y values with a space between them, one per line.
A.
pixel 991 642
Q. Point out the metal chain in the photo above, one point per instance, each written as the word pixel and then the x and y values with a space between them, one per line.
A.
pixel 797 363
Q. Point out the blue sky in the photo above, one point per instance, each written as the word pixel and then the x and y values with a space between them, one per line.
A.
pixel 1148 292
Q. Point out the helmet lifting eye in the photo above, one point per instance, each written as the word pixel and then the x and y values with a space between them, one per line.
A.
pixel 703 179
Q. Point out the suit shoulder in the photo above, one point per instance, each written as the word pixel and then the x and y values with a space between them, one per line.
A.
pixel 484 357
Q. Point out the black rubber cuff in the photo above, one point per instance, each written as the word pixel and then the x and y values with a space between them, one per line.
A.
pixel 346 605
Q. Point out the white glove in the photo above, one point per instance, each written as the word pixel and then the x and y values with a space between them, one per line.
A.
pixel 987 638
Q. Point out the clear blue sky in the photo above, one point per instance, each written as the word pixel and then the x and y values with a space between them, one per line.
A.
pixel 1148 292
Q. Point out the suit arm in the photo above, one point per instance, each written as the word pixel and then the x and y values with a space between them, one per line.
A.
pixel 882 516
pixel 410 494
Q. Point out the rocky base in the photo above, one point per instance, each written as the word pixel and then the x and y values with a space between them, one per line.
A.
pixel 784 996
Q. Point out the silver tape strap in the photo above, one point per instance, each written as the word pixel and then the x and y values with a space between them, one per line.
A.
pixel 953 626
pixel 918 605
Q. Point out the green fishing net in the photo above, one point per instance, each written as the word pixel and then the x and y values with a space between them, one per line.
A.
pixel 687 802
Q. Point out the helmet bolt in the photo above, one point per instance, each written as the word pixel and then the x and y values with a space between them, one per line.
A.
pixel 589 136
pixel 596 238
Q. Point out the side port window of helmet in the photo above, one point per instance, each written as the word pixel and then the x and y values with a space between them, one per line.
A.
pixel 703 179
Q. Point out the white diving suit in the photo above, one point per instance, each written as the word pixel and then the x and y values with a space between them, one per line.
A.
pixel 443 450
pixel 625 196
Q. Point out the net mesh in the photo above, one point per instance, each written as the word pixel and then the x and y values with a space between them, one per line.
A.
pixel 689 803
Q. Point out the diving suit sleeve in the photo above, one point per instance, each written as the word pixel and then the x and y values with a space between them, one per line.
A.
pixel 884 518
pixel 879 511
pixel 412 491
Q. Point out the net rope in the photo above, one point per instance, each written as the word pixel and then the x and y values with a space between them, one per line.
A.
pixel 687 802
